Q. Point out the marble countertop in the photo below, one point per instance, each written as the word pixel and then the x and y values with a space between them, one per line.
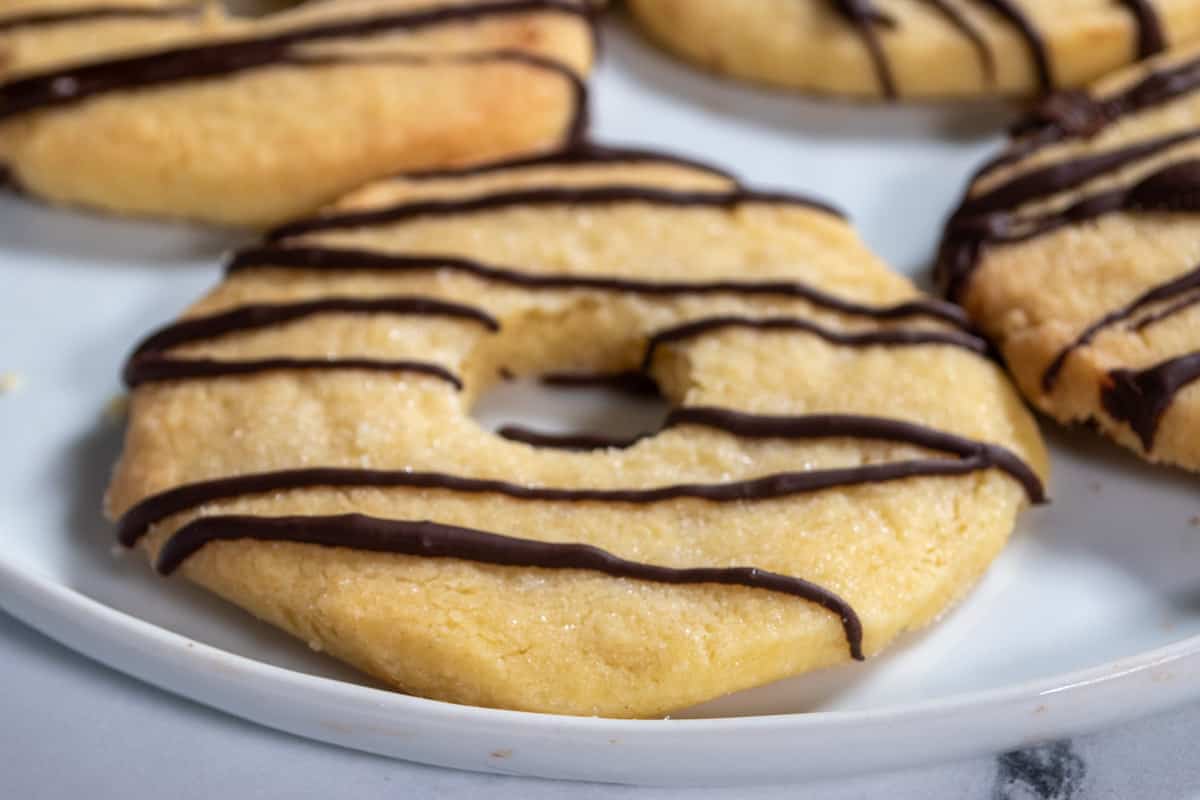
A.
pixel 76 729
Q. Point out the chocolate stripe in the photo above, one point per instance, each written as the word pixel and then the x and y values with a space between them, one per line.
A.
pixel 1033 39
pixel 866 20
pixel 330 259
pixel 1141 397
pixel 262 315
pixel 864 17
pixel 629 381
pixel 551 196
pixel 886 338
pixel 1166 313
pixel 1065 175
pixel 1076 114
pixel 187 63
pixel 1151 38
pixel 809 426
pixel 1175 188
pixel 154 369
pixel 135 523
pixel 434 540
pixel 97 13
pixel 582 153
pixel 581 442
pixel 1187 282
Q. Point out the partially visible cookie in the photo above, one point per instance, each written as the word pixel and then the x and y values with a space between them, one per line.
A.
pixel 918 48
pixel 1077 251
pixel 842 461
pixel 173 110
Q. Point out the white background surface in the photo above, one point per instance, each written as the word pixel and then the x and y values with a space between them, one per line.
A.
pixel 79 725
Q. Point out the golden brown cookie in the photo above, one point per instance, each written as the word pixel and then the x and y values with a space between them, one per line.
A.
pixel 181 111
pixel 841 463
pixel 1076 251
pixel 918 48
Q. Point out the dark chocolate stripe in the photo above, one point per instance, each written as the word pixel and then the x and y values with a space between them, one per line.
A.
pixel 154 369
pixel 1165 314
pixel 550 196
pixel 811 426
pixel 135 523
pixel 433 540
pixel 1175 188
pixel 1065 175
pixel 96 13
pixel 581 442
pixel 330 259
pixel 194 62
pixel 885 338
pixel 629 381
pixel 865 18
pixel 1033 39
pixel 263 315
pixel 582 153
pixel 1183 284
pixel 1141 397
pixel 1151 38
pixel 1076 114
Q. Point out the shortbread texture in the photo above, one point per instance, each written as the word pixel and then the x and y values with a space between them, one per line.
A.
pixel 932 48
pixel 252 147
pixel 572 641
pixel 1037 298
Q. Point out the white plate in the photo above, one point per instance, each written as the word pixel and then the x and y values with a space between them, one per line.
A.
pixel 1091 616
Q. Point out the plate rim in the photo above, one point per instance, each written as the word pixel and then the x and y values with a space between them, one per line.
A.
pixel 53 607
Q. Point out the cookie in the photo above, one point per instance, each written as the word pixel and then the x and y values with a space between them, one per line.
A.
pixel 1076 252
pixel 918 48
pixel 841 462
pixel 193 114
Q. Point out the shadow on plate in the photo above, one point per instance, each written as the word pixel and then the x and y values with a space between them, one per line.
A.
pixel 91 237
pixel 1094 479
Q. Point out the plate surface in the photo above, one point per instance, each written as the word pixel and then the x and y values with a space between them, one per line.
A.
pixel 1092 615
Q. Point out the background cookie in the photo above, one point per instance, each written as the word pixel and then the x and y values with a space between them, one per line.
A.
pixel 1076 251
pixel 249 122
pixel 831 427
pixel 918 48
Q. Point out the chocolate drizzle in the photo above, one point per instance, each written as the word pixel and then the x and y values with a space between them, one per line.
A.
pixel 630 381
pixel 262 315
pixel 332 259
pixel 1174 188
pixel 1184 284
pixel 889 338
pixel 433 540
pixel 579 153
pixel 1074 114
pixel 74 84
pixel 867 20
pixel 525 198
pixel 972 457
pixel 1141 397
pixel 96 13
pixel 812 426
pixel 155 369
pixel 1151 38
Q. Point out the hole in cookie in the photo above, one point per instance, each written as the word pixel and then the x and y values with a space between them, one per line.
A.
pixel 573 410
